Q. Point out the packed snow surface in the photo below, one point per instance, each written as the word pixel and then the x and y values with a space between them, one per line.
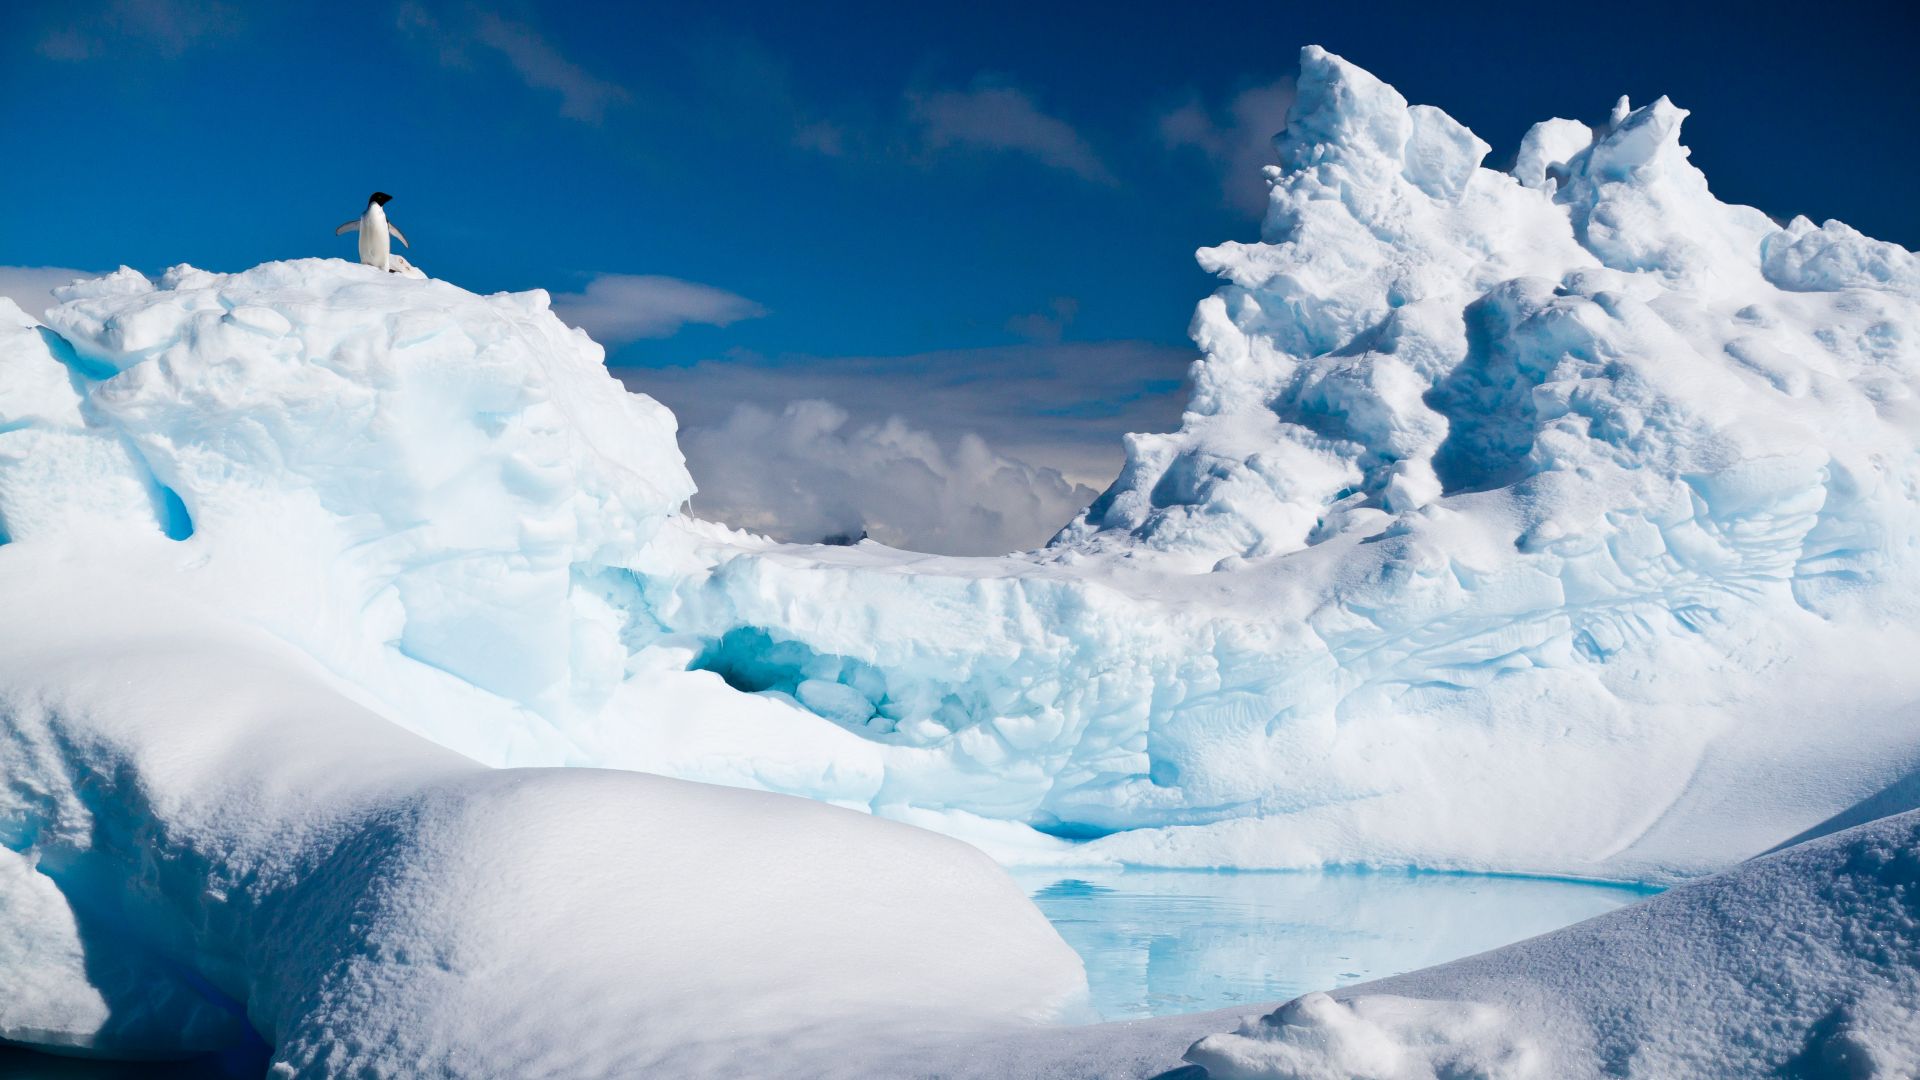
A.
pixel 1560 520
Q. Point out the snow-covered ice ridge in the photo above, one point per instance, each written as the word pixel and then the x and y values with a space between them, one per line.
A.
pixel 1558 520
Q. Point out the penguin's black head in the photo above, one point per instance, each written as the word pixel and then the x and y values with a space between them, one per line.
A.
pixel 380 197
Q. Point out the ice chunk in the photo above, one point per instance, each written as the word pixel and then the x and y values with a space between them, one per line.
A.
pixel 1340 109
pixel 1442 155
pixel 1546 149
pixel 1836 256
pixel 1637 203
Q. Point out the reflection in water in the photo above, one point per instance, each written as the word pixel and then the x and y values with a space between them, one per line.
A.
pixel 1163 942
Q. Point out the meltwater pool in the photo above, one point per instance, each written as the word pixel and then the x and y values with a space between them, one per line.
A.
pixel 1158 942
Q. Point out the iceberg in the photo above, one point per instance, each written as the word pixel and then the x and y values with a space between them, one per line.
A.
pixel 1561 520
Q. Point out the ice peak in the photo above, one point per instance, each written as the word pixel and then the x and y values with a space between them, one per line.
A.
pixel 1637 138
pixel 1637 202
pixel 1340 105
pixel 1343 114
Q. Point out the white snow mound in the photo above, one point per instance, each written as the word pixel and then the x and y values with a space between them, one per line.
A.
pixel 261 521
pixel 400 456
pixel 204 831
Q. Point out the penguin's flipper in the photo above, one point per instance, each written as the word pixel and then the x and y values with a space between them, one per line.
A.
pixel 398 235
pixel 351 226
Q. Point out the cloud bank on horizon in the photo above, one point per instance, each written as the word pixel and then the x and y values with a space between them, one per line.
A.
pixel 964 452
pixel 810 473
pixel 32 286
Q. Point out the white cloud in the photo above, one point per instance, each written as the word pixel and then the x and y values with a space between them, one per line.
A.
pixel 538 62
pixel 963 451
pixel 1062 407
pixel 808 473
pixel 32 286
pixel 618 308
pixel 966 451
pixel 1238 144
pixel 1002 118
pixel 166 28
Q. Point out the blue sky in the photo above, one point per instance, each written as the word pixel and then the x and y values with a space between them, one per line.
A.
pixel 980 217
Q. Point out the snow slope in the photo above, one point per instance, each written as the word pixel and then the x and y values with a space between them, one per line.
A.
pixel 391 460
pixel 1802 963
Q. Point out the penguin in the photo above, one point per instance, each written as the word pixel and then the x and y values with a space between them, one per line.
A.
pixel 375 246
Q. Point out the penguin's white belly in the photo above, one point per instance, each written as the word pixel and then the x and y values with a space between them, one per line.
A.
pixel 375 242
